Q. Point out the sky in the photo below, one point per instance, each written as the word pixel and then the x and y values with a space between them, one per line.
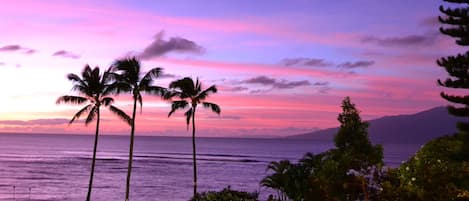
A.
pixel 281 67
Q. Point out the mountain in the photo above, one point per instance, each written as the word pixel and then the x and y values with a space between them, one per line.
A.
pixel 414 128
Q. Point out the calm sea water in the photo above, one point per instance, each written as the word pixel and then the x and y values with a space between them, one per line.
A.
pixel 56 167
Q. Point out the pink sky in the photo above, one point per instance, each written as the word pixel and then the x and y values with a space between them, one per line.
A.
pixel 282 67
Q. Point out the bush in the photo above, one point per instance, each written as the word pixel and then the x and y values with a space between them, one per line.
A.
pixel 227 194
pixel 439 171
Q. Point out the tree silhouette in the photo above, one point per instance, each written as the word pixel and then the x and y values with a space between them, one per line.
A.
pixel 94 89
pixel 457 66
pixel 129 78
pixel 337 174
pixel 191 95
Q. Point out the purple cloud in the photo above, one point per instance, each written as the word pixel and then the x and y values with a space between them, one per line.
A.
pixel 405 41
pixel 160 46
pixel 235 89
pixel 66 54
pixel 10 48
pixel 16 48
pixel 357 64
pixel 30 51
pixel 281 84
pixel 313 62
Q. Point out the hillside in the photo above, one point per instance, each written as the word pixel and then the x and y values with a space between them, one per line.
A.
pixel 414 128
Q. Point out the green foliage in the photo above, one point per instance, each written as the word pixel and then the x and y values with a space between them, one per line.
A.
pixel 227 194
pixel 439 171
pixel 348 172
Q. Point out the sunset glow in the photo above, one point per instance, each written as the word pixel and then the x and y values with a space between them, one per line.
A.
pixel 281 69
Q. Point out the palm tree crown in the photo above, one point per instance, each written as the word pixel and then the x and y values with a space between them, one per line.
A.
pixel 190 93
pixel 131 79
pixel 95 89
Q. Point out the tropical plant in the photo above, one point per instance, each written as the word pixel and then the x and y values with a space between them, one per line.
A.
pixel 344 173
pixel 94 89
pixel 227 194
pixel 280 179
pixel 129 78
pixel 190 95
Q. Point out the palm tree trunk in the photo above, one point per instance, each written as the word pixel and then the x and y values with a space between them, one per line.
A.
pixel 193 151
pixel 88 196
pixel 131 151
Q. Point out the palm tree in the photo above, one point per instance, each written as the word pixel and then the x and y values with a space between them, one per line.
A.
pixel 280 178
pixel 94 89
pixel 130 79
pixel 191 95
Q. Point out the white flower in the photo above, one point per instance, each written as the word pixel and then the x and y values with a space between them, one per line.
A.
pixel 407 168
pixel 439 161
pixel 413 179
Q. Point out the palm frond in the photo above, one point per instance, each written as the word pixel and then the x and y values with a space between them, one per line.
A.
pixel 170 94
pixel 80 112
pixel 214 107
pixel 189 114
pixel 204 94
pixel 175 105
pixel 128 68
pixel 91 115
pixel 117 87
pixel 71 100
pixel 106 101
pixel 155 90
pixel 151 75
pixel 75 78
pixel 121 114
pixel 185 85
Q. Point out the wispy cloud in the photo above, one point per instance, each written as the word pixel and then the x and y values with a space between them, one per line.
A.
pixel 66 54
pixel 160 46
pixel 280 84
pixel 313 62
pixel 234 89
pixel 17 48
pixel 58 121
pixel 404 41
pixel 10 48
pixel 357 64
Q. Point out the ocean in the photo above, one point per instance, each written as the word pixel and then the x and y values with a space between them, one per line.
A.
pixel 56 167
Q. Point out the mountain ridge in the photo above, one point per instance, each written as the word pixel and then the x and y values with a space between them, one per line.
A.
pixel 419 128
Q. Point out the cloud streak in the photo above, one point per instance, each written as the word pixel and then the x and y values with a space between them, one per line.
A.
pixel 66 54
pixel 357 64
pixel 41 122
pixel 17 48
pixel 405 41
pixel 280 84
pixel 161 47
pixel 313 62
